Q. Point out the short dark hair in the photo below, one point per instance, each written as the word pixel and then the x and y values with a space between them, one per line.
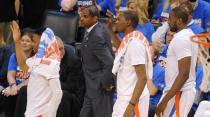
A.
pixel 37 31
pixel 132 16
pixel 93 10
pixel 182 13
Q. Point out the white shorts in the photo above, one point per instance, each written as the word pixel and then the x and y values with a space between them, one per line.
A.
pixel 203 109
pixel 121 105
pixel 180 104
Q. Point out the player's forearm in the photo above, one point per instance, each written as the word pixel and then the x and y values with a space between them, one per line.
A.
pixel 140 85
pixel 21 57
pixel 11 77
pixel 178 84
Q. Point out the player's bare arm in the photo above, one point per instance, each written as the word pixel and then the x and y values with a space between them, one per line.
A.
pixel 184 70
pixel 140 84
pixel 21 56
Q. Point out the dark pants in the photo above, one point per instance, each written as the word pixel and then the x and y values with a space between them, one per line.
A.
pixel 70 105
pixel 7 104
pixel 97 107
pixel 152 109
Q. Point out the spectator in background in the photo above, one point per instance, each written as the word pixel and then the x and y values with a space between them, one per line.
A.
pixel 105 5
pixel 5 53
pixel 157 83
pixel 16 77
pixel 121 4
pixel 156 17
pixel 9 10
pixel 201 14
pixel 207 1
pixel 144 26
pixel 67 5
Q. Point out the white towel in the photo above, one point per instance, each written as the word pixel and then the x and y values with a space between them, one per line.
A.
pixel 123 47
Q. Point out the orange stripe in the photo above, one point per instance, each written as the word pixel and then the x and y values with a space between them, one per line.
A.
pixel 46 62
pixel 177 100
pixel 136 110
pixel 135 34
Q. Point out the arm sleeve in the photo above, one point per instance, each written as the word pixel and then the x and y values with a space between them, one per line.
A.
pixel 137 52
pixel 12 66
pixel 182 48
pixel 55 97
pixel 160 32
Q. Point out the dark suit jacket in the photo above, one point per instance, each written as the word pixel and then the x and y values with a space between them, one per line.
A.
pixel 72 84
pixel 71 74
pixel 97 59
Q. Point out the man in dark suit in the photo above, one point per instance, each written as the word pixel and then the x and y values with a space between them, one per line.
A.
pixel 97 61
pixel 72 84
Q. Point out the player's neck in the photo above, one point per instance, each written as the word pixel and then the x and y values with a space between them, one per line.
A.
pixel 128 30
pixel 181 27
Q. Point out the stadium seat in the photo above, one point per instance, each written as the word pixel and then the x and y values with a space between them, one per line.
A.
pixel 64 25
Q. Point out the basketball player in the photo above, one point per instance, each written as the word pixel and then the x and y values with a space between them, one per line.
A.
pixel 44 91
pixel 133 66
pixel 180 68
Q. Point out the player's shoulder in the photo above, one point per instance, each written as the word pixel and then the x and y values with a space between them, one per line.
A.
pixel 184 33
pixel 182 36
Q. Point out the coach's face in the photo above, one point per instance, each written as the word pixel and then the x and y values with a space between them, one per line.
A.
pixel 173 22
pixel 86 20
pixel 121 23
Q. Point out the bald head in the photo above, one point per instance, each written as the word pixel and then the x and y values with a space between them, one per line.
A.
pixel 61 46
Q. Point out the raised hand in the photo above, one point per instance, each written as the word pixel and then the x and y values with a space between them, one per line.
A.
pixel 110 21
pixel 16 31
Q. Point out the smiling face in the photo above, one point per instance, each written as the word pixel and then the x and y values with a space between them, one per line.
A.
pixel 26 43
